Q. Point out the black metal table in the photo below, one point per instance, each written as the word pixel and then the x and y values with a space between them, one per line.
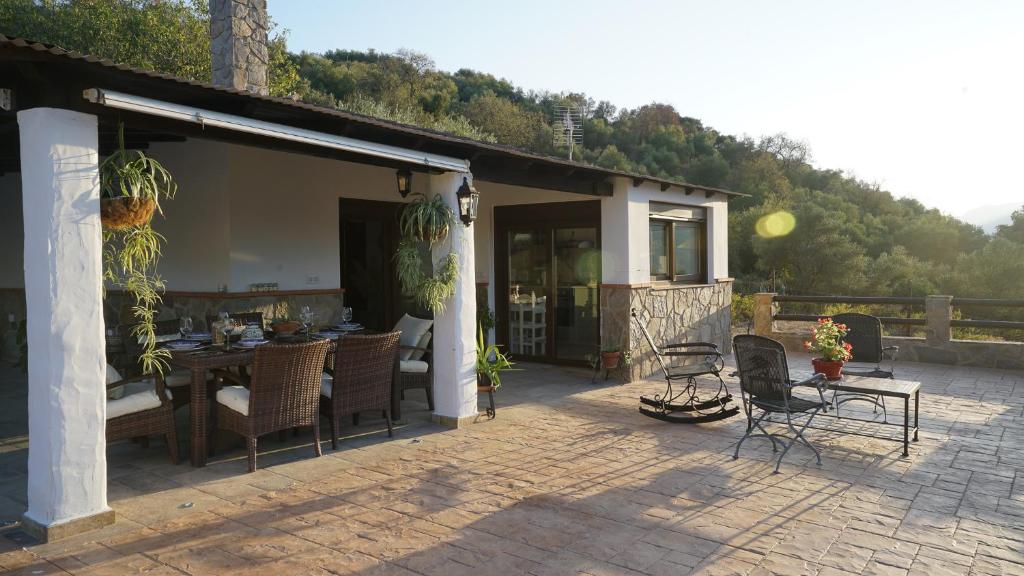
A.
pixel 887 388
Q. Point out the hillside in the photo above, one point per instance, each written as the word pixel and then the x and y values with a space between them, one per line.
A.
pixel 849 237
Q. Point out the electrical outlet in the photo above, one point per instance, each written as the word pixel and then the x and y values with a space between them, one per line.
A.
pixel 312 279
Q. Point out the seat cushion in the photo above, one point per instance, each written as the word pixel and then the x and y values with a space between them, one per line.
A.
pixel 423 343
pixel 413 366
pixel 235 397
pixel 113 376
pixel 326 383
pixel 133 402
pixel 412 330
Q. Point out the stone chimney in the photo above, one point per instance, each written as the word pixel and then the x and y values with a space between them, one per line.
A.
pixel 238 41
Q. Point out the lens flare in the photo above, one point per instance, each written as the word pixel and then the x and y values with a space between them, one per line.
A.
pixel 775 225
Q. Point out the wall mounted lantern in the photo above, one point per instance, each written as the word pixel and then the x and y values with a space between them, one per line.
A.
pixel 469 200
pixel 404 178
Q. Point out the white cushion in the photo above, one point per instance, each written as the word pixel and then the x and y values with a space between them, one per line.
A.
pixel 178 378
pixel 133 402
pixel 423 343
pixel 235 397
pixel 413 366
pixel 113 376
pixel 412 329
pixel 326 382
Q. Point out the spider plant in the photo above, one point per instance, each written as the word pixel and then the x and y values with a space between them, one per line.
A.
pixel 424 223
pixel 426 220
pixel 132 174
pixel 132 250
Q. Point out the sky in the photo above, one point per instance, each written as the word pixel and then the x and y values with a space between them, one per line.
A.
pixel 924 98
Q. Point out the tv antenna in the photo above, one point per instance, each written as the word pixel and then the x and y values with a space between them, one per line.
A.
pixel 568 129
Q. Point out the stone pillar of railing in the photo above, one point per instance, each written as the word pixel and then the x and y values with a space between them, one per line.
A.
pixel 938 312
pixel 764 311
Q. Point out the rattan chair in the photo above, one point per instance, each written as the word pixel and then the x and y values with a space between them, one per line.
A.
pixel 178 382
pixel 765 385
pixel 282 393
pixel 360 379
pixel 144 410
pixel 865 335
pixel 415 367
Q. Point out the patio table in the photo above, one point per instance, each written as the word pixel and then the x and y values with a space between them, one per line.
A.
pixel 201 362
pixel 870 386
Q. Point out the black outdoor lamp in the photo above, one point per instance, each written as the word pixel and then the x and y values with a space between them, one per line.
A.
pixel 404 178
pixel 469 199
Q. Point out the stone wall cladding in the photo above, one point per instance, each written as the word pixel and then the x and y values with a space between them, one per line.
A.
pixel 672 314
pixel 238 42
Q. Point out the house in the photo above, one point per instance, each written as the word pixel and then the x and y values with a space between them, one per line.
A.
pixel 302 198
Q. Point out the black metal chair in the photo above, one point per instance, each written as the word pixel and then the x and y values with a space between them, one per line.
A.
pixel 865 335
pixel 765 385
pixel 707 361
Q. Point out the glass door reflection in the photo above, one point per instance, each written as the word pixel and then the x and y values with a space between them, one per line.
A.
pixel 577 266
pixel 529 274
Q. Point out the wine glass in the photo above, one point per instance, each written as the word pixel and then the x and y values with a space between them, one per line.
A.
pixel 227 327
pixel 346 315
pixel 186 327
pixel 306 317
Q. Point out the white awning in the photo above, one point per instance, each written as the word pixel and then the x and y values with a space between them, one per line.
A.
pixel 203 117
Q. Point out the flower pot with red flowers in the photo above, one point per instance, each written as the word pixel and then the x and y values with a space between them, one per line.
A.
pixel 832 352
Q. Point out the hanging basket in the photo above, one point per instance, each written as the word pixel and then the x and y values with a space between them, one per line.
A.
pixel 125 212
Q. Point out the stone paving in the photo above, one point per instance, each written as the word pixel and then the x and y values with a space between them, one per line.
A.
pixel 570 479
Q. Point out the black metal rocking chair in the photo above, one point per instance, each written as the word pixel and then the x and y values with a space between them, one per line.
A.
pixel 765 384
pixel 865 335
pixel 686 406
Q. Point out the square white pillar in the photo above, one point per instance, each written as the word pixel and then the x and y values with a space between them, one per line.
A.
pixel 67 464
pixel 454 355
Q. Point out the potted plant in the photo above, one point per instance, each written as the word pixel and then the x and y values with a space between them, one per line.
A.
pixel 131 186
pixel 490 363
pixel 610 356
pixel 832 352
pixel 426 222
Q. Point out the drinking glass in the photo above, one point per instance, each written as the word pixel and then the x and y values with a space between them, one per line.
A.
pixel 346 314
pixel 228 327
pixel 306 316
pixel 186 327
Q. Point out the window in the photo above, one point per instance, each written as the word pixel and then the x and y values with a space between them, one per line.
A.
pixel 678 243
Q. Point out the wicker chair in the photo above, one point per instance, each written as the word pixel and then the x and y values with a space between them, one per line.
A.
pixel 143 410
pixel 282 393
pixel 360 379
pixel 178 382
pixel 865 335
pixel 765 385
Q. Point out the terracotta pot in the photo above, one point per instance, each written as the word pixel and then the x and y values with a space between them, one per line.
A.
pixel 610 360
pixel 125 212
pixel 286 328
pixel 483 382
pixel 832 369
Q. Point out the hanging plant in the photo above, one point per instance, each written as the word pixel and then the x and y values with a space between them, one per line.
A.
pixel 131 186
pixel 426 222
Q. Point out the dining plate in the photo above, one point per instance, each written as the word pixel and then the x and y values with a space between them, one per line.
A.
pixel 251 343
pixel 182 345
pixel 349 327
pixel 330 333
pixel 199 336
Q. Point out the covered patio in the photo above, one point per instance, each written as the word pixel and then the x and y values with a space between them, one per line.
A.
pixel 570 479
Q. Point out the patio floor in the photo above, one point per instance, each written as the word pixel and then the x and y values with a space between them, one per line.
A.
pixel 571 479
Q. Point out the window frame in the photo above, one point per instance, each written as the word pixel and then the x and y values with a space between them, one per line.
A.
pixel 699 277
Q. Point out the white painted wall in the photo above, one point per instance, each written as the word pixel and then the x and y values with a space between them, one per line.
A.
pixel 625 232
pixel 248 215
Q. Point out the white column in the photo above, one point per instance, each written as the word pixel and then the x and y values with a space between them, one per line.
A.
pixel 67 465
pixel 625 246
pixel 455 397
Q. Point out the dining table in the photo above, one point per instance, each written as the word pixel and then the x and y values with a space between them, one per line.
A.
pixel 201 362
